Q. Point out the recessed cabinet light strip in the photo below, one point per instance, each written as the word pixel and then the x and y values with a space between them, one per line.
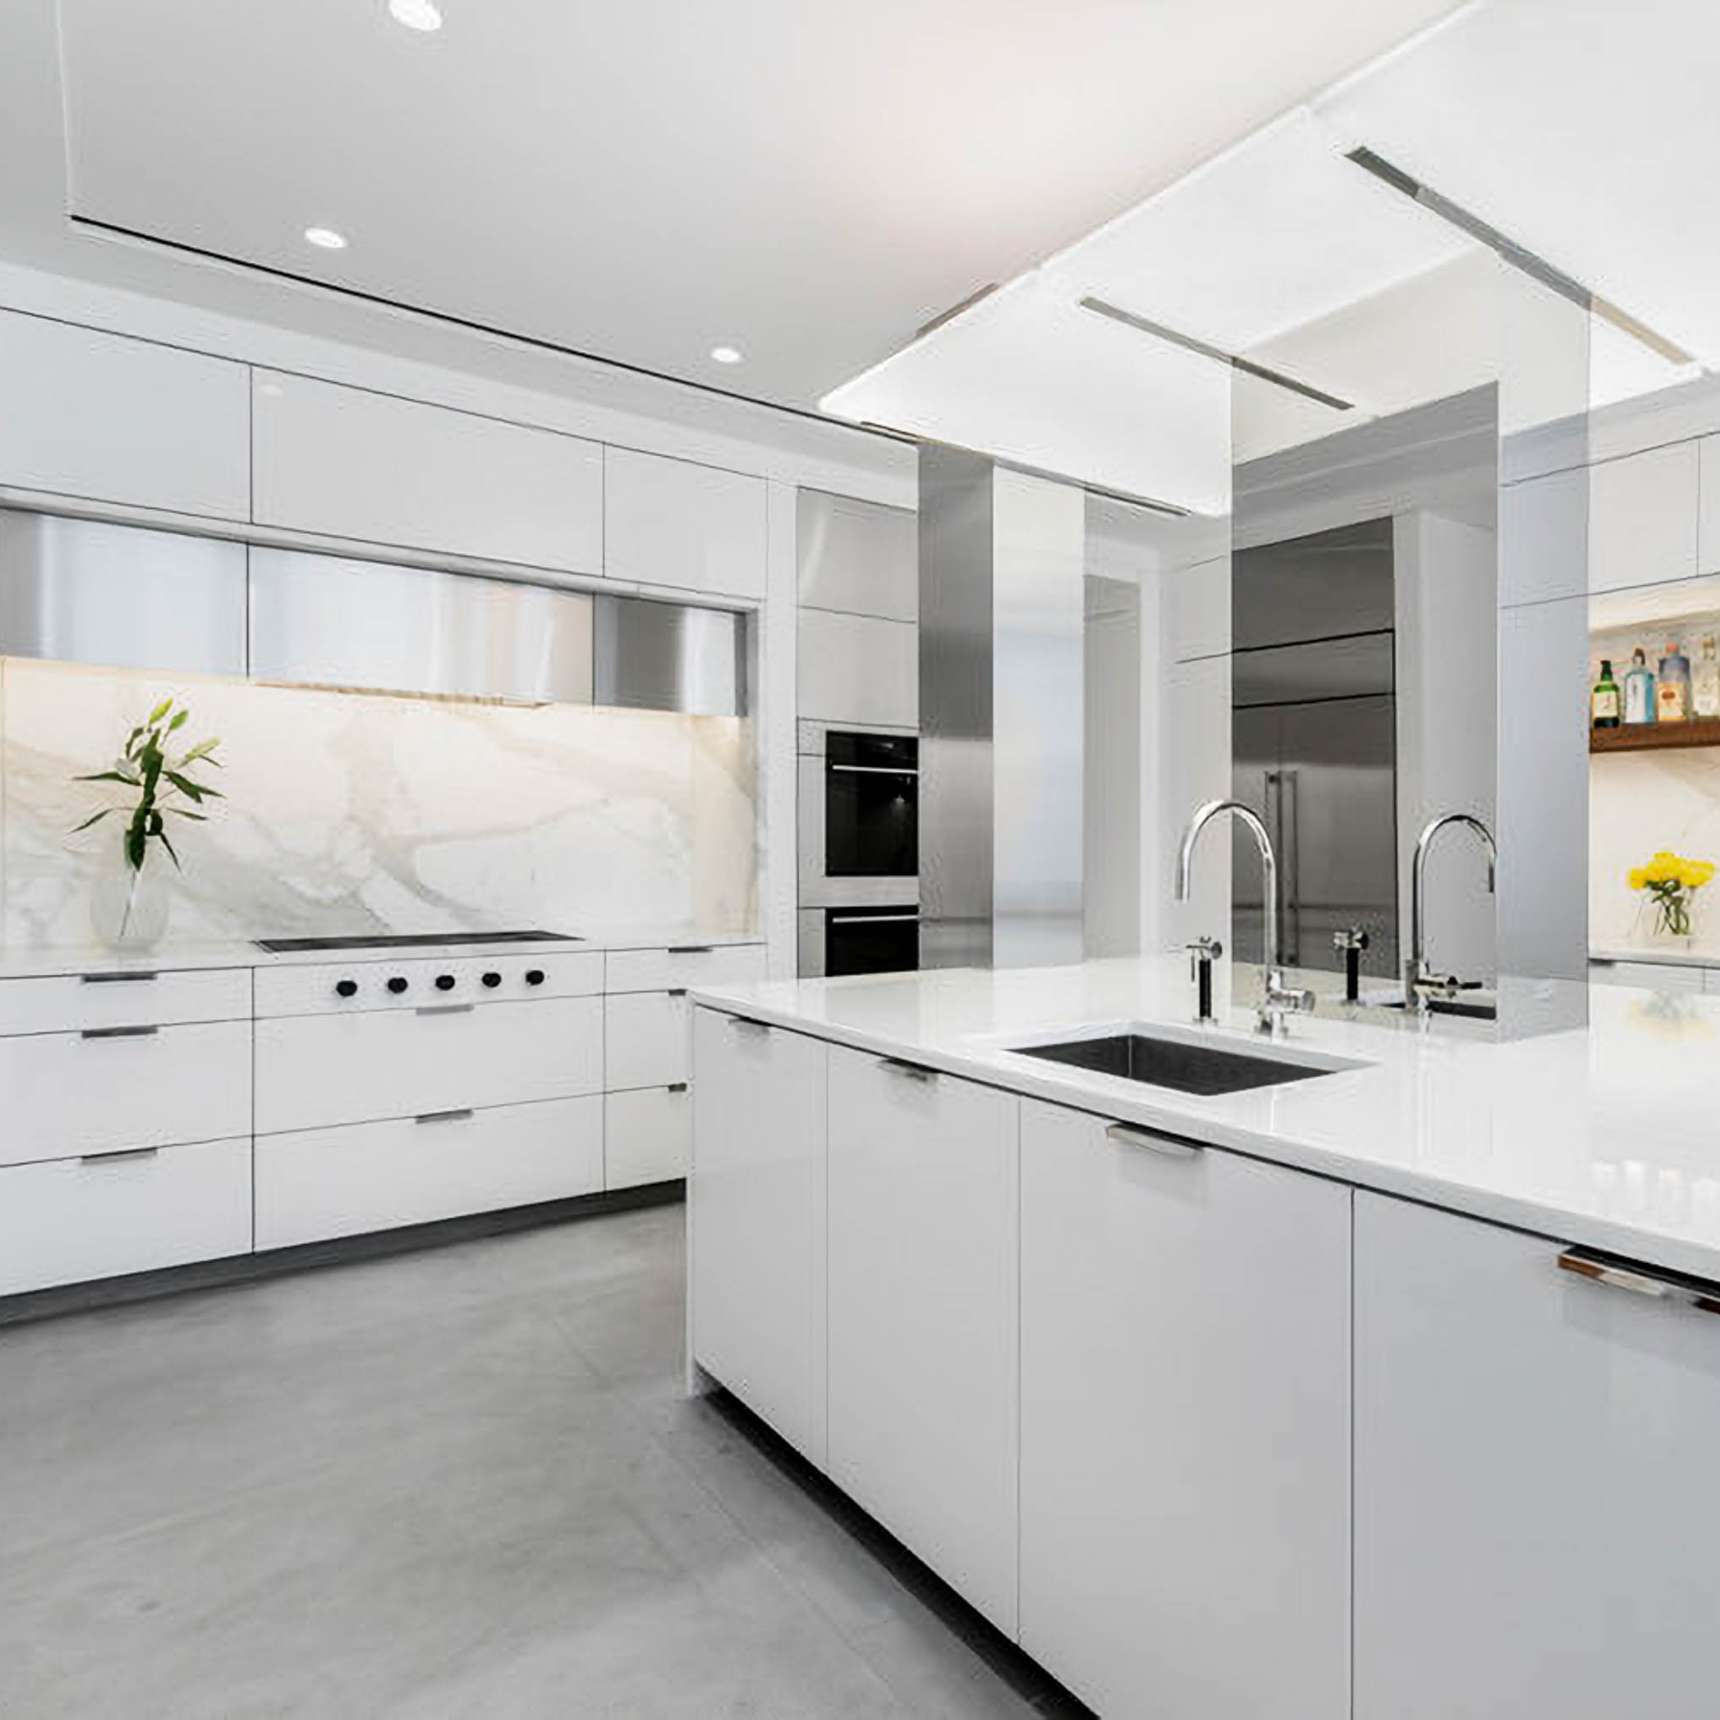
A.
pixel 1117 314
pixel 1507 248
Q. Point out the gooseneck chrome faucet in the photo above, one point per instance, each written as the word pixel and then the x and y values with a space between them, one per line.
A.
pixel 1279 997
pixel 1418 983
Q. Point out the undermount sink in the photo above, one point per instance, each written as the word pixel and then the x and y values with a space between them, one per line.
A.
pixel 1178 1063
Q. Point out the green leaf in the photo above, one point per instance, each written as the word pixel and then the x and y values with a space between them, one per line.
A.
pixel 161 837
pixel 182 812
pixel 110 776
pixel 96 819
pixel 160 711
pixel 180 719
pixel 184 784
pixel 134 846
pixel 202 750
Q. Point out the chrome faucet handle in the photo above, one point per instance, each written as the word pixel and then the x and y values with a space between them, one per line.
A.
pixel 1202 950
pixel 1350 938
pixel 1201 955
pixel 1281 1000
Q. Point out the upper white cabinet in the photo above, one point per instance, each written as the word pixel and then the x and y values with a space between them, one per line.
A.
pixel 669 522
pixel 118 420
pixel 860 557
pixel 1642 518
pixel 344 462
pixel 1197 610
pixel 757 1220
pixel 858 669
pixel 1185 1424
pixel 1708 485
pixel 1534 1499
pixel 923 1318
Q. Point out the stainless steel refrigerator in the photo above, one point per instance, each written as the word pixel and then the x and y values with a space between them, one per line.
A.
pixel 1314 742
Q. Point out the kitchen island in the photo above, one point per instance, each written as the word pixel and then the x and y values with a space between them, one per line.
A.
pixel 1384 1390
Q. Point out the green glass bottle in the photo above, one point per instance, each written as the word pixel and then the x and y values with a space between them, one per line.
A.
pixel 1604 701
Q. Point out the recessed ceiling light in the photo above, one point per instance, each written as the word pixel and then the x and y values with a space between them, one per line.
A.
pixel 726 354
pixel 325 238
pixel 416 14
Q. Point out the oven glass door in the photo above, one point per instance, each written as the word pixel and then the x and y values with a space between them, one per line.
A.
pixel 871 806
pixel 871 940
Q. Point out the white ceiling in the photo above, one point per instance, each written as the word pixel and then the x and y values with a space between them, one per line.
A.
pixel 806 181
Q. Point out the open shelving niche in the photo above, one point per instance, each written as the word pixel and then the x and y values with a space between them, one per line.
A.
pixel 1647 616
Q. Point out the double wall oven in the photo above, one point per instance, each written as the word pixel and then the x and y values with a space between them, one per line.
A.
pixel 859 850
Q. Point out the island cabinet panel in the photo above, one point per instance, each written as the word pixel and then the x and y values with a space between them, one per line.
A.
pixel 1536 1513
pixel 757 1217
pixel 923 1323
pixel 1185 1425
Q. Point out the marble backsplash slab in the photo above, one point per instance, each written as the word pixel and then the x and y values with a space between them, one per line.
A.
pixel 352 812
pixel 1640 802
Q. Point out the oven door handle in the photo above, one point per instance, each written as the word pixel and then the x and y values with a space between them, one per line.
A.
pixel 875 769
pixel 873 919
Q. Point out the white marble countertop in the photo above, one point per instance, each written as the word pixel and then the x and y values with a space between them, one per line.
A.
pixel 1607 1135
pixel 50 961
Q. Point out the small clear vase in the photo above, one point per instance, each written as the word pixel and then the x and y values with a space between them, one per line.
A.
pixel 129 906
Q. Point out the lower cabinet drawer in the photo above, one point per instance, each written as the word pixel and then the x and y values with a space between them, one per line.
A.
pixel 375 1176
pixel 98 1217
pixel 71 1093
pixel 683 964
pixel 644 1039
pixel 647 1136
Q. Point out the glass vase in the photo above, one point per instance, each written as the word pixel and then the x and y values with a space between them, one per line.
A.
pixel 129 907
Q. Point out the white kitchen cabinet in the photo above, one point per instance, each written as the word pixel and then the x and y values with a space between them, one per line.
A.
pixel 123 997
pixel 118 1087
pixel 647 1136
pixel 923 1258
pixel 670 522
pixel 1544 549
pixel 1185 1417
pixel 859 557
pixel 1650 975
pixel 681 965
pixel 858 669
pixel 315 988
pixel 1197 610
pixel 1534 1507
pixel 1643 518
pixel 377 1176
pixel 313 1071
pixel 1708 490
pixel 96 1217
pixel 112 419
pixel 344 462
pixel 757 1218
pixel 644 1040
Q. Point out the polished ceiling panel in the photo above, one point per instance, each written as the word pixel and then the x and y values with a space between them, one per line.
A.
pixel 808 183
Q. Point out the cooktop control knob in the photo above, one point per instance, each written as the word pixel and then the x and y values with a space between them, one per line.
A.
pixel 492 980
pixel 534 976
pixel 397 985
pixel 444 982
pixel 346 988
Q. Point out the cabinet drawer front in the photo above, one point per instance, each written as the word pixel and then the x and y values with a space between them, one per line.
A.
pixel 670 522
pixel 71 1003
pixel 122 420
pixel 647 1136
pixel 376 1176
pixel 316 1071
pixel 681 965
pixel 67 1094
pixel 644 1040
pixel 348 463
pixel 74 1219
pixel 315 989
pixel 923 1313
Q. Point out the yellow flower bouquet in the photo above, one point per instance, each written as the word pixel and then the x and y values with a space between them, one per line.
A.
pixel 1671 881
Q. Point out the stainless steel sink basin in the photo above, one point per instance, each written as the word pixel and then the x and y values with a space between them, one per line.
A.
pixel 1188 1067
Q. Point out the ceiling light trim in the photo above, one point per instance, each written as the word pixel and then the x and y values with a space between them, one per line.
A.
pixel 1129 319
pixel 1518 256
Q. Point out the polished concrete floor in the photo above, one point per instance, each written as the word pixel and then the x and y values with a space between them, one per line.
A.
pixel 463 1482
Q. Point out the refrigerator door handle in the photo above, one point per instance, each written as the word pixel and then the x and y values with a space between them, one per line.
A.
pixel 1289 843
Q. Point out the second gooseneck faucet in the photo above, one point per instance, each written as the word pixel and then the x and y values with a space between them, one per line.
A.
pixel 1279 998
pixel 1419 984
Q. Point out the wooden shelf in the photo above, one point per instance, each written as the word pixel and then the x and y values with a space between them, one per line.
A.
pixel 1655 737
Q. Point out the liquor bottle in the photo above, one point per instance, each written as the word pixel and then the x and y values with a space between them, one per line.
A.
pixel 1605 703
pixel 1639 690
pixel 1705 682
pixel 1672 687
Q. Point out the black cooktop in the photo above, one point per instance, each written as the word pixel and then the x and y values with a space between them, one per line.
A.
pixel 410 941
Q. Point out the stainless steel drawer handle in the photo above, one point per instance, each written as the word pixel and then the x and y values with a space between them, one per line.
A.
pixel 1640 1280
pixel 874 919
pixel 692 949
pixel 909 1071
pixel 745 1024
pixel 114 1158
pixel 118 1032
pixel 115 978
pixel 444 1009
pixel 678 991
pixel 676 1087
pixel 1122 1135
pixel 458 1115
